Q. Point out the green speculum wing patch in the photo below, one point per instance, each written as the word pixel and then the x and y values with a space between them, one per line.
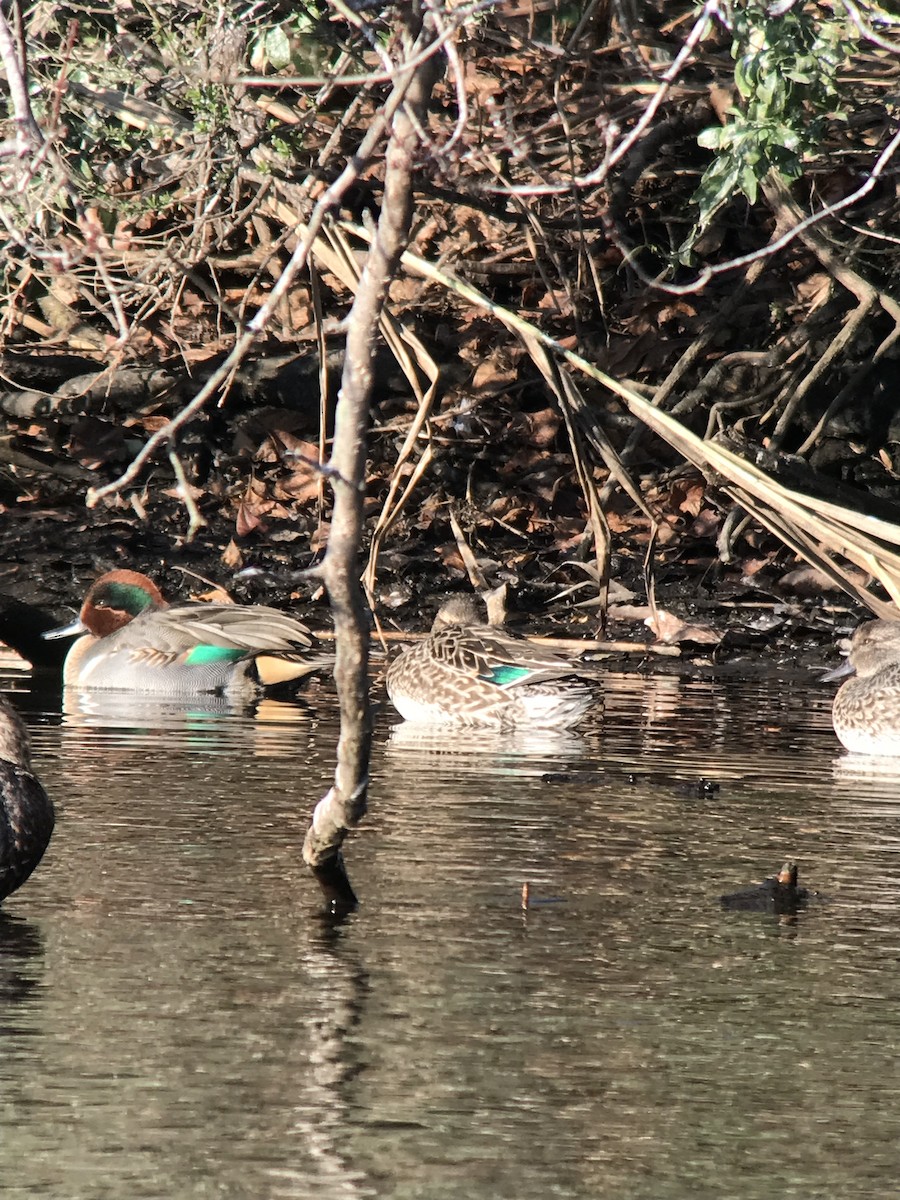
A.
pixel 202 655
pixel 505 675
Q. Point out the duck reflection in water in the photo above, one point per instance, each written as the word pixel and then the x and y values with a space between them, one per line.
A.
pixel 20 944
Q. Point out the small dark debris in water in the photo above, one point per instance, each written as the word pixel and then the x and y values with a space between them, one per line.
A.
pixel 699 787
pixel 777 894
pixel 529 901
pixel 397 1126
pixel 556 777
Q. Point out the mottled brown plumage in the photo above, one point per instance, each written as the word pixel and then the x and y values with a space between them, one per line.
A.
pixel 866 711
pixel 469 673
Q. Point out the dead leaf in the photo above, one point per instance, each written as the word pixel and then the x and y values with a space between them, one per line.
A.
pixel 94 442
pixel 628 612
pixel 814 290
pixel 707 524
pixel 249 518
pixel 480 85
pixel 282 444
pixel 215 595
pixel 686 495
pixel 405 290
pixel 752 566
pixel 450 557
pixel 538 429
pixel 671 630
pixel 491 376
pixel 301 486
pixel 807 581
pixel 232 556
pixel 319 539
pixel 721 100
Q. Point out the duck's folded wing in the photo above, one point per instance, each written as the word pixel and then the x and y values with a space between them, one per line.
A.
pixel 483 652
pixel 229 626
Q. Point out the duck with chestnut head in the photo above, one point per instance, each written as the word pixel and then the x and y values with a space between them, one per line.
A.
pixel 133 640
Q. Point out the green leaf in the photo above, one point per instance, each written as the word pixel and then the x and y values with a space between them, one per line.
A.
pixel 277 48
pixel 749 184
pixel 713 138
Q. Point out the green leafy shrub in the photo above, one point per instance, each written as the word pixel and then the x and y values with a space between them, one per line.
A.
pixel 786 76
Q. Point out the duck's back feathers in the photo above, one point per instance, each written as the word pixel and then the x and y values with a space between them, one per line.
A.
pixel 220 626
pixel 496 657
pixel 26 824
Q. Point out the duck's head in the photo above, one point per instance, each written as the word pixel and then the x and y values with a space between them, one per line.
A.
pixel 458 612
pixel 874 646
pixel 117 598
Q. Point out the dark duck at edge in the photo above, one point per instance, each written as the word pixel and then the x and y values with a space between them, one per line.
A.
pixel 26 811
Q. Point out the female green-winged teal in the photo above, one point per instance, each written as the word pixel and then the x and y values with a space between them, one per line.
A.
pixel 469 673
pixel 26 811
pixel 134 641
pixel 866 712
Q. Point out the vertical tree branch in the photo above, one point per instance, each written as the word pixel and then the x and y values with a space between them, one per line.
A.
pixel 28 132
pixel 345 803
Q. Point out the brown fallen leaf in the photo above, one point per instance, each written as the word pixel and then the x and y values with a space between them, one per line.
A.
pixel 707 524
pixel 808 581
pixel 687 495
pixel 215 595
pixel 671 630
pixel 232 556
pixel 250 516
pixel 537 429
pixel 491 376
pixel 94 442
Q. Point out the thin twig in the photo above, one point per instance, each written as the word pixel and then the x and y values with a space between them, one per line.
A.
pixel 195 518
pixel 328 200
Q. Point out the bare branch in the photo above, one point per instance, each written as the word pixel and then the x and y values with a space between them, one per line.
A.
pixel 711 9
pixel 865 29
pixel 28 132
pixel 345 804
pixel 328 200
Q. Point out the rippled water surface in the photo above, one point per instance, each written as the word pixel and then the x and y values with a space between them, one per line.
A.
pixel 178 1020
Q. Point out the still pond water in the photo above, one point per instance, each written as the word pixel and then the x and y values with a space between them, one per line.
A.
pixel 178 1020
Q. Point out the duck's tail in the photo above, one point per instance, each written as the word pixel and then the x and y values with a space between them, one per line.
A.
pixel 275 670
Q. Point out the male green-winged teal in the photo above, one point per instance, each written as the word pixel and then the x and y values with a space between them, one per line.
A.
pixel 866 712
pixel 26 811
pixel 134 641
pixel 469 673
